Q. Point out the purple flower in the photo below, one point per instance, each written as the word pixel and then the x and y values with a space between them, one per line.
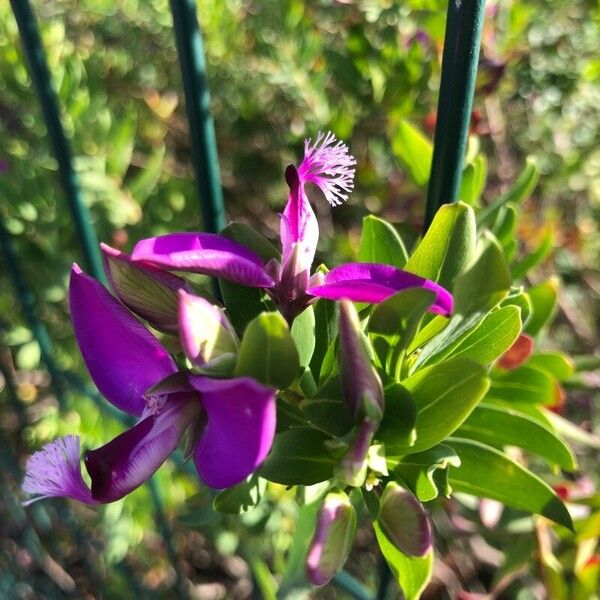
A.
pixel 327 164
pixel 230 423
pixel 373 283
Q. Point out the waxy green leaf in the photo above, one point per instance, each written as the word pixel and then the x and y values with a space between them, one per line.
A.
pixel 299 457
pixel 534 258
pixel 523 384
pixel 488 473
pixel 444 395
pixel 473 181
pixel 398 425
pixel 447 247
pixel 496 426
pixel 381 243
pixel 491 338
pixel 329 415
pixel 411 572
pixel 326 328
pixel 557 364
pixel 303 334
pixel 544 299
pixel 485 283
pixel 522 188
pixel 394 322
pixel 426 473
pixel 413 150
pixel 268 352
pixel 240 497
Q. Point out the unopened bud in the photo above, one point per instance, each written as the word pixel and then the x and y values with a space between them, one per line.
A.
pixel 149 292
pixel 352 468
pixel 361 384
pixel 404 520
pixel 332 540
pixel 207 336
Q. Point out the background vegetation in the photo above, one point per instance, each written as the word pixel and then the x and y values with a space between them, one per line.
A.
pixel 279 71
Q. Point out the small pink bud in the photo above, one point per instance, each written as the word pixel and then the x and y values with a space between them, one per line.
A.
pixel 404 520
pixel 332 540
pixel 361 384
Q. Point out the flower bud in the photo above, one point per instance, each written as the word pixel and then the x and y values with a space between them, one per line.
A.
pixel 404 520
pixel 144 289
pixel 361 384
pixel 332 540
pixel 352 468
pixel 206 334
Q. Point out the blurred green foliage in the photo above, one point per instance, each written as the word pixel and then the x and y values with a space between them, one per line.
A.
pixel 279 70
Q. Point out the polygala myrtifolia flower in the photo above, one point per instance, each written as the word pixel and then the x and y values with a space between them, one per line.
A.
pixel 230 423
pixel 328 165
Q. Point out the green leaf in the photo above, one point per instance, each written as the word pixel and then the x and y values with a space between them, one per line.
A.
pixel 426 473
pixel 413 150
pixel 268 352
pixel 544 298
pixel 505 225
pixel 499 426
pixel 398 425
pixel 299 457
pixel 240 497
pixel 381 243
pixel 523 384
pixel 303 334
pixel 485 283
pixel 250 238
pixel 447 247
pixel 473 181
pixel 289 415
pixel 491 338
pixel 326 328
pixel 412 573
pixel 294 582
pixel 557 364
pixel 329 415
pixel 444 394
pixel 394 321
pixel 243 303
pixel 488 473
pixel 521 268
pixel 523 187
pixel 520 299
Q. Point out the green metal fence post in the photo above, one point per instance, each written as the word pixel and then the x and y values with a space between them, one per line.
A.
pixel 459 69
pixel 38 69
pixel 205 156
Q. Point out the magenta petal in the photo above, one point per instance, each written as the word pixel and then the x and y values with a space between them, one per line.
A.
pixel 132 457
pixel 239 430
pixel 205 253
pixel 122 356
pixel 373 283
pixel 55 471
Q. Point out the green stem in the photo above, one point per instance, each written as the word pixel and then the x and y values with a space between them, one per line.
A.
pixel 190 51
pixel 459 70
pixel 38 69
